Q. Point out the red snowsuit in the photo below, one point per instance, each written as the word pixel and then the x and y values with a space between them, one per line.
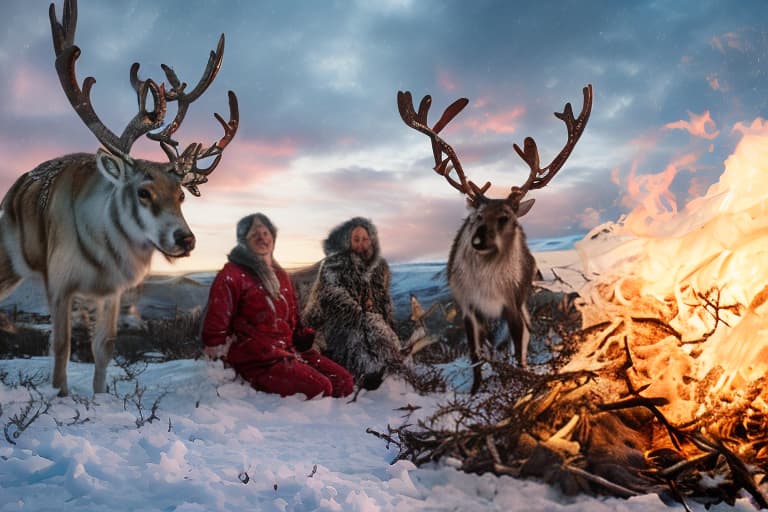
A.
pixel 264 328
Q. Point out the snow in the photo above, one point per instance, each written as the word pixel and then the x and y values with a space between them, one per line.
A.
pixel 217 444
pixel 220 445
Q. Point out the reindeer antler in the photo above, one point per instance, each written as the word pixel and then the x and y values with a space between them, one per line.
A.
pixel 184 163
pixel 67 54
pixel 443 166
pixel 539 177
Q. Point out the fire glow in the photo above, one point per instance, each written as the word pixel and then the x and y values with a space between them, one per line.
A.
pixel 703 273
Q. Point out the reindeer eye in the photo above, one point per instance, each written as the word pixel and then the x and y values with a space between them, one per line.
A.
pixel 181 197
pixel 144 194
pixel 502 221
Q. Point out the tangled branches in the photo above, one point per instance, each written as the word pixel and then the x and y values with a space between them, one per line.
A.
pixel 623 416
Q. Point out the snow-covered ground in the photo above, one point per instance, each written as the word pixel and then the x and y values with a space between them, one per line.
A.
pixel 220 445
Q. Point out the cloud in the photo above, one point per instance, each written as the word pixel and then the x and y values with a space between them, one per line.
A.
pixel 504 122
pixel 364 183
pixel 28 85
pixel 714 82
pixel 727 40
pixel 651 193
pixel 422 229
pixel 320 137
pixel 699 125
pixel 589 218
pixel 447 81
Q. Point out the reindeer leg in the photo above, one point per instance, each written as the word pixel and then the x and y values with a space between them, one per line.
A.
pixel 475 336
pixel 103 344
pixel 519 322
pixel 61 319
pixel 9 279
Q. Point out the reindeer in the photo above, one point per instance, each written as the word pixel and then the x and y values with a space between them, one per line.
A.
pixel 89 224
pixel 490 268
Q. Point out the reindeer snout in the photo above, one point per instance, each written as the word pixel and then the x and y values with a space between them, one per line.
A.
pixel 479 238
pixel 184 239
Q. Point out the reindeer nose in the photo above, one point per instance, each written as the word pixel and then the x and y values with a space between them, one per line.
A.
pixel 184 239
pixel 478 239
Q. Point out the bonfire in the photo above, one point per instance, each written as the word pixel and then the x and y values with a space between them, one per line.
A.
pixel 663 390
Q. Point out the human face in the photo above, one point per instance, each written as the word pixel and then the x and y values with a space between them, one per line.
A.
pixel 361 243
pixel 260 239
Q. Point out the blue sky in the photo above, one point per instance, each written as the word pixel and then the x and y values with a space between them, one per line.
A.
pixel 321 140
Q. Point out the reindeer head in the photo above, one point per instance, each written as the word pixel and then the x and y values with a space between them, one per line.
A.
pixel 148 192
pixel 492 225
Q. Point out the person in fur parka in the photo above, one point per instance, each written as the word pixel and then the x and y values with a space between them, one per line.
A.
pixel 350 305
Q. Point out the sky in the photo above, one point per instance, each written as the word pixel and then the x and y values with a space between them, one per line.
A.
pixel 320 138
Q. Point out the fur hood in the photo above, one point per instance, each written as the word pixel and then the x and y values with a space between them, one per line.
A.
pixel 244 257
pixel 339 239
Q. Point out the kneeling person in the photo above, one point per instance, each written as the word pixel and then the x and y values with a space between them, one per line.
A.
pixel 350 305
pixel 252 304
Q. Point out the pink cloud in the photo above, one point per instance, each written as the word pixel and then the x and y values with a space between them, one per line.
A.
pixel 645 141
pixel 650 193
pixel 699 125
pixel 697 187
pixel 588 218
pixel 714 82
pixel 504 122
pixel 422 228
pixel 246 162
pixel 727 40
pixel 28 86
pixel 615 179
pixel 446 81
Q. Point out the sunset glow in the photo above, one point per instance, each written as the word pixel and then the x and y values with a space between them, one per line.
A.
pixel 320 139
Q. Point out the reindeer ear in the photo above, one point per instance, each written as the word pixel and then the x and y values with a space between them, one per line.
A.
pixel 524 207
pixel 111 167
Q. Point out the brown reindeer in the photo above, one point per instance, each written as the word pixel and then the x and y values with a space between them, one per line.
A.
pixel 490 268
pixel 89 224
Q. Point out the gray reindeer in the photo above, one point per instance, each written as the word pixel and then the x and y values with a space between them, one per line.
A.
pixel 89 224
pixel 490 267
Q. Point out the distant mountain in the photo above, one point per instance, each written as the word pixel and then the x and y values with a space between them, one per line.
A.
pixel 161 296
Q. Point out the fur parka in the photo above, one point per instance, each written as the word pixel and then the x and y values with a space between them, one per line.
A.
pixel 360 338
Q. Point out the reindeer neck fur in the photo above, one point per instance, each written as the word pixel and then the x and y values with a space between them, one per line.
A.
pixel 487 281
pixel 112 241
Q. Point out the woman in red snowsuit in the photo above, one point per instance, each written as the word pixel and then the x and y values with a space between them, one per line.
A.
pixel 252 302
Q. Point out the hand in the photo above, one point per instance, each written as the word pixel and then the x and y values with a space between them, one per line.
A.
pixel 303 339
pixel 215 352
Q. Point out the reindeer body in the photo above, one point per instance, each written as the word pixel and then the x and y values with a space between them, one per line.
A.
pixel 490 273
pixel 89 233
pixel 89 224
pixel 490 268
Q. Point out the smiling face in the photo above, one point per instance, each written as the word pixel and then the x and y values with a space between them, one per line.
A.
pixel 360 243
pixel 260 240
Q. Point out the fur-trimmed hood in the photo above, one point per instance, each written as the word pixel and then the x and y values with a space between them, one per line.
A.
pixel 350 306
pixel 339 239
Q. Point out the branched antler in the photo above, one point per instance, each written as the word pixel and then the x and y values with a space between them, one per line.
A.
pixel 185 162
pixel 446 159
